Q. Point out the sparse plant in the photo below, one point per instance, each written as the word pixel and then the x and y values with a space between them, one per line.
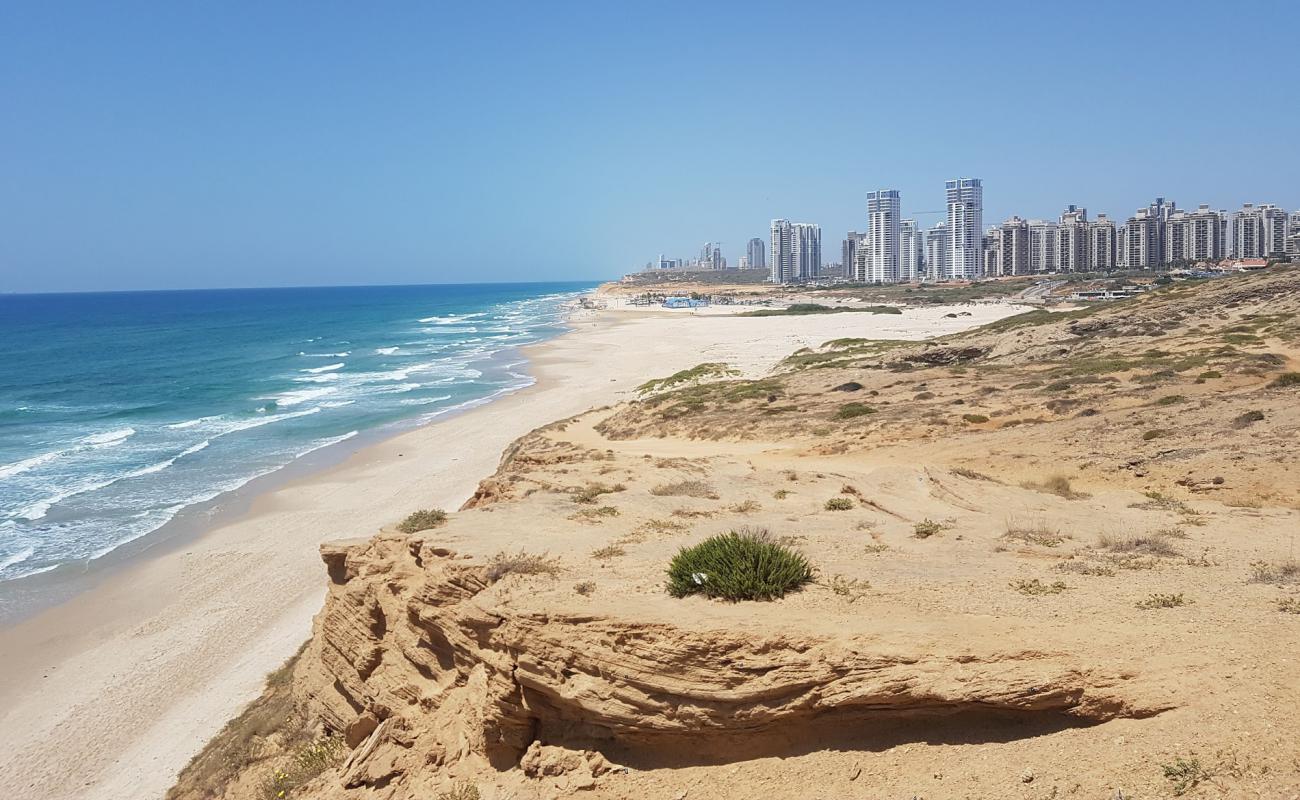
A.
pixel 1150 545
pixel 422 520
pixel 1079 567
pixel 1058 485
pixel 1155 433
pixel 972 474
pixel 686 488
pixel 975 419
pixel 1248 419
pixel 1209 374
pixel 738 565
pixel 1158 502
pixel 461 791
pixel 852 410
pixel 308 762
pixel 594 515
pixel 592 491
pixel 584 588
pixel 839 504
pixel 521 563
pixel 1161 600
pixel 875 548
pixel 1278 573
pixel 1171 400
pixel 926 528
pixel 1036 532
pixel 781 494
pixel 1035 587
pixel 1289 605
pixel 1186 774
pixel 1286 379
pixel 607 552
pixel 849 588
pixel 746 507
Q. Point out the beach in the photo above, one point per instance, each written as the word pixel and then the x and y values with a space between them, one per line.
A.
pixel 108 694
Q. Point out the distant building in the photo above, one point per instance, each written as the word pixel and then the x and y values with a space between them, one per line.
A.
pixel 993 251
pixel 883 232
pixel 911 251
pixel 1138 241
pixel 1101 244
pixel 937 251
pixel 1014 247
pixel 1160 211
pixel 1195 236
pixel 1042 246
pixel 849 250
pixel 1293 236
pixel 1259 231
pixel 1072 241
pixel 965 227
pixel 796 251
pixel 754 252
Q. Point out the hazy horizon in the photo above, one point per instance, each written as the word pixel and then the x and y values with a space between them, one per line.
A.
pixel 170 147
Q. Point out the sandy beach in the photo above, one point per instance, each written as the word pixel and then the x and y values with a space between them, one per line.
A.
pixel 109 694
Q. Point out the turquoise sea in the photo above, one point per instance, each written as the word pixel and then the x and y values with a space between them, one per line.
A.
pixel 118 410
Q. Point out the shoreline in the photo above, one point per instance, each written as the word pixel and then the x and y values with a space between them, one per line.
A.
pixel 166 650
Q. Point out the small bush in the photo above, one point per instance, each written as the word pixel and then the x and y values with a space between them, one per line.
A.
pixel 590 492
pixel 1034 533
pixel 1153 545
pixel 849 588
pixel 781 494
pixel 739 565
pixel 1085 568
pixel 1159 600
pixel 1249 418
pixel 1289 605
pixel 1286 379
pixel 746 507
pixel 521 563
pixel 1209 375
pixel 308 762
pixel 608 552
pixel 461 791
pixel 972 474
pixel 839 504
pixel 690 488
pixel 422 520
pixel 851 410
pixel 975 418
pixel 1058 485
pixel 1278 574
pixel 584 588
pixel 594 515
pixel 1035 587
pixel 1156 433
pixel 1171 399
pixel 1186 774
pixel 926 528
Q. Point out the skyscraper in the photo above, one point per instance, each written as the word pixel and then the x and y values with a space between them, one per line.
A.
pixel 1014 247
pixel 911 251
pixel 937 251
pixel 965 227
pixel 1195 236
pixel 849 253
pixel 883 224
pixel 1138 241
pixel 1259 231
pixel 1072 240
pixel 754 252
pixel 796 251
pixel 1042 246
pixel 1101 244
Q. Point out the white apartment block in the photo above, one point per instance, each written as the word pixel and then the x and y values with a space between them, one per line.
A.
pixel 911 251
pixel 1259 231
pixel 993 252
pixel 1138 242
pixel 1101 244
pixel 754 252
pixel 937 251
pixel 1072 240
pixel 1195 236
pixel 1042 246
pixel 883 234
pixel 1014 247
pixel 966 228
pixel 849 254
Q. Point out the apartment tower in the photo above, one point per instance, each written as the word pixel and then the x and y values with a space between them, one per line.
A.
pixel 965 227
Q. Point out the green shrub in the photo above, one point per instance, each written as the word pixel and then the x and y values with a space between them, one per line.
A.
pixel 687 488
pixel 851 410
pixel 1163 601
pixel 975 419
pixel 1154 434
pixel 1209 375
pixel 738 565
pixel 1248 418
pixel 839 504
pixel 1285 379
pixel 422 520
pixel 1171 399
pixel 926 528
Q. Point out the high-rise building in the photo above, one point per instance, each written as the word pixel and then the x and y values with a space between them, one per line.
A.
pixel 782 261
pixel 849 252
pixel 1014 250
pixel 937 251
pixel 1138 241
pixel 1293 236
pixel 965 227
pixel 796 251
pixel 1101 244
pixel 993 251
pixel 1072 240
pixel 754 253
pixel 1259 231
pixel 808 250
pixel 883 232
pixel 1195 236
pixel 1160 211
pixel 1042 246
pixel 911 251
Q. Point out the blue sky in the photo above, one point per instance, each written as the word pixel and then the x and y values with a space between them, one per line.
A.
pixel 159 145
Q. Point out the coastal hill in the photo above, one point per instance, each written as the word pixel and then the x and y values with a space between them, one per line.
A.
pixel 1052 556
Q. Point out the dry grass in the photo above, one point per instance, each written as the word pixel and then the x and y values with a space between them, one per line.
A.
pixel 1159 600
pixel 747 507
pixel 687 488
pixel 1035 588
pixel 850 589
pixel 594 515
pixel 607 552
pixel 1036 532
pixel 1058 485
pixel 521 563
pixel 590 492
pixel 1078 567
pixel 1151 545
pixel 584 588
pixel 1278 573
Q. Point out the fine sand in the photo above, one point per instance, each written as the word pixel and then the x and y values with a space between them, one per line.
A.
pixel 108 695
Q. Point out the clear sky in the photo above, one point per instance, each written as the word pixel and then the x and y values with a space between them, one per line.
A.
pixel 159 145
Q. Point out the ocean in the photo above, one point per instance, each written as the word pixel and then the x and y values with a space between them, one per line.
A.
pixel 118 410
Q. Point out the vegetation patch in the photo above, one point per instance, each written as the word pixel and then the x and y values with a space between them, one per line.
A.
pixel 1186 774
pixel 1155 433
pixel 1159 600
pixel 422 520
pixel 521 563
pixel 1171 400
pixel 1079 567
pixel 592 491
pixel 607 552
pixel 1277 573
pixel 849 588
pixel 1058 485
pixel 1248 419
pixel 700 372
pixel 975 419
pixel 308 761
pixel 738 565
pixel 1034 587
pixel 839 504
pixel 594 515
pixel 584 588
pixel 1285 380
pixel 686 488
pixel 804 309
pixel 1152 545
pixel 926 528
pixel 851 410
pixel 1037 533
pixel 1289 605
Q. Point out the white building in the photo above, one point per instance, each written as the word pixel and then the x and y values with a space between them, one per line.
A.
pixel 1014 247
pixel 1101 244
pixel 965 227
pixel 911 251
pixel 849 254
pixel 754 254
pixel 937 251
pixel 1195 236
pixel 883 233
pixel 1138 241
pixel 1042 246
pixel 1259 231
pixel 1072 241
